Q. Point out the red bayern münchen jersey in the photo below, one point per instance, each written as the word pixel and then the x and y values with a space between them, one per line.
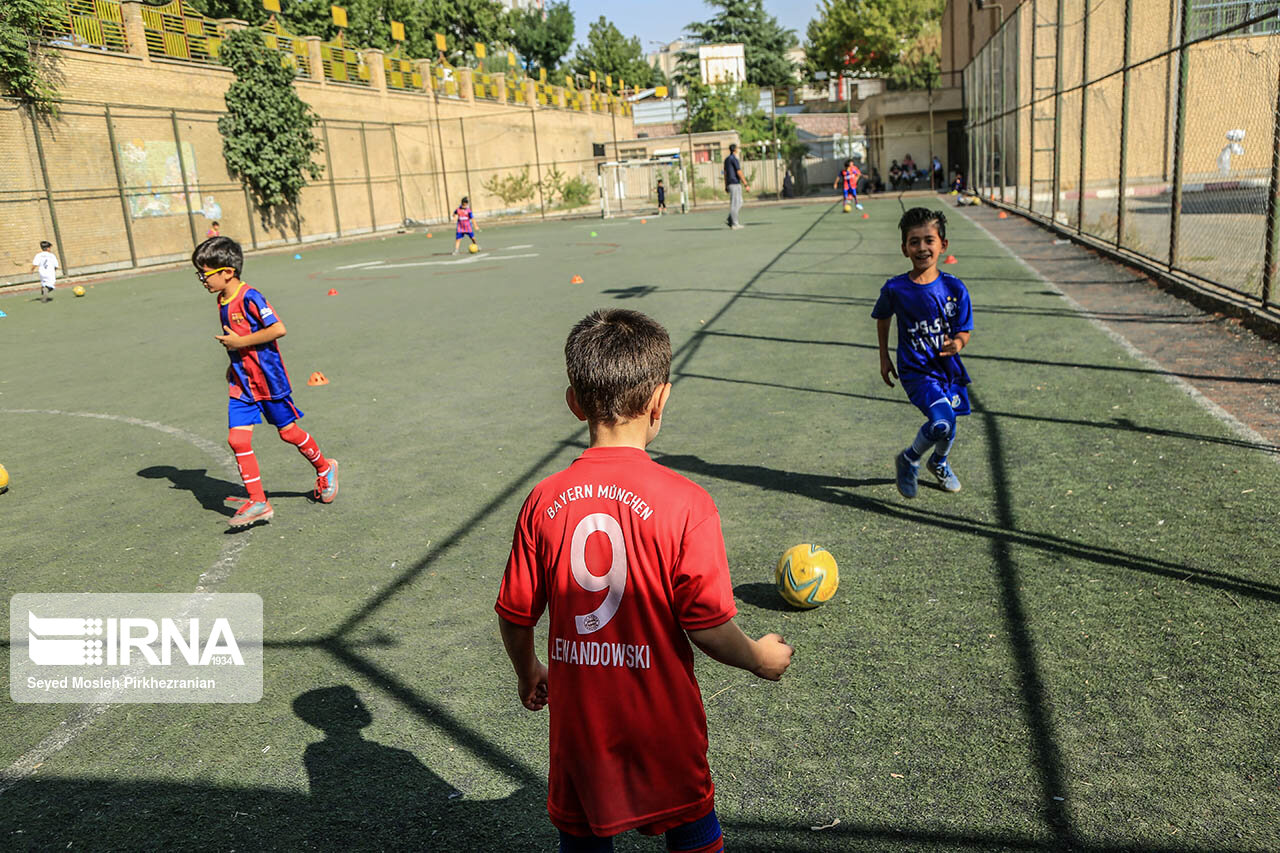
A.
pixel 464 217
pixel 851 176
pixel 256 371
pixel 627 555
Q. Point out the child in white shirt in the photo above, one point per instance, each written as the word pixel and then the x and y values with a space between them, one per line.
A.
pixel 47 264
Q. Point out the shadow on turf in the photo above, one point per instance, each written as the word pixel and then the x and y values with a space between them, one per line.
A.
pixel 211 492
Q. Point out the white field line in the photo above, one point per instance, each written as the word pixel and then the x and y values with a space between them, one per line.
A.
pixel 86 715
pixel 357 266
pixel 1241 429
pixel 473 259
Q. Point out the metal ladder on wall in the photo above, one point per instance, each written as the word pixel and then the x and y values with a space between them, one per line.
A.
pixel 1045 131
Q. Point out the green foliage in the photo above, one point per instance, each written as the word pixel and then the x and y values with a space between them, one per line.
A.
pixel 897 39
pixel 608 51
pixel 765 41
pixel 513 188
pixel 267 136
pixel 27 69
pixel 576 192
pixel 542 43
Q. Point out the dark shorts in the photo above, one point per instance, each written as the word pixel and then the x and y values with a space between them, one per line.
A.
pixel 923 393
pixel 462 234
pixel 245 412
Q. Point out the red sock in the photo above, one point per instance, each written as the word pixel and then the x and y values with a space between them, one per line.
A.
pixel 241 441
pixel 306 445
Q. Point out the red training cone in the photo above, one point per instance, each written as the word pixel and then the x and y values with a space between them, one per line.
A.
pixel 1003 215
pixel 951 259
pixel 866 216
pixel 429 234
pixel 318 378
pixel 333 291
pixel 577 279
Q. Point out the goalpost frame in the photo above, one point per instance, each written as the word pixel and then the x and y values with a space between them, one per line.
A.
pixel 614 188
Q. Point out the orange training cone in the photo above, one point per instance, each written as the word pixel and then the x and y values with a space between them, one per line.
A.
pixel 866 216
pixel 317 378
pixel 951 259
pixel 1002 215
pixel 333 291
pixel 643 221
pixel 577 279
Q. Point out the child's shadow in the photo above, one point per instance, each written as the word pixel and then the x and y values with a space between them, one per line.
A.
pixel 369 796
pixel 210 491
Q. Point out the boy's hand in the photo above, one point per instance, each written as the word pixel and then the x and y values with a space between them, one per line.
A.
pixel 887 370
pixel 230 340
pixel 773 656
pixel 951 346
pixel 533 688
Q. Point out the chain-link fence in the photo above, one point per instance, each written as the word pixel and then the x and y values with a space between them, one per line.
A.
pixel 115 186
pixel 1146 127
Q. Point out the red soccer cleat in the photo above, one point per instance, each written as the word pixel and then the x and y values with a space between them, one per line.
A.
pixel 327 484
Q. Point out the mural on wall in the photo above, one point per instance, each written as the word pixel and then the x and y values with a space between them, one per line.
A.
pixel 153 174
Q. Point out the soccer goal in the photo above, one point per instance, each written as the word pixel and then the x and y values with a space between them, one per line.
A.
pixel 630 187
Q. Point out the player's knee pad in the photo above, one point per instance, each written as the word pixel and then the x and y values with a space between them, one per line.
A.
pixel 942 421
pixel 241 440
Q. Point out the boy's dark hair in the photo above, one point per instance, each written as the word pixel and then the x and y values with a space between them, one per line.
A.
pixel 659 180
pixel 465 200
pixel 918 216
pixel 219 252
pixel 45 245
pixel 216 223
pixel 732 147
pixel 615 359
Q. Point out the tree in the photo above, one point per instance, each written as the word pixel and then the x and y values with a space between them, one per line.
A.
pixel 608 51
pixel 734 107
pixel 897 39
pixel 765 41
pixel 27 67
pixel 267 137
pixel 542 42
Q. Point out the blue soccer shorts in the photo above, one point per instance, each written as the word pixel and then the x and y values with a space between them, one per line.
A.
pixel 462 234
pixel 242 411
pixel 923 393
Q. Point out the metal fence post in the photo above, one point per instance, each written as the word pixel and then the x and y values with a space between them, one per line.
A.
pixel 537 160
pixel 1084 115
pixel 1057 115
pixel 444 169
pixel 182 167
pixel 395 155
pixel 248 213
pixel 124 202
pixel 1179 129
pixel 368 180
pixel 48 190
pixel 466 166
pixel 333 190
pixel 1124 122
pixel 1273 214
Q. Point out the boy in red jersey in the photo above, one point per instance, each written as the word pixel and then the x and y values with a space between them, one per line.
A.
pixel 258 383
pixel 629 557
pixel 466 221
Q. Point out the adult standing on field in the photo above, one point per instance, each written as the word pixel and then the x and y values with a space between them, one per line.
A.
pixel 734 183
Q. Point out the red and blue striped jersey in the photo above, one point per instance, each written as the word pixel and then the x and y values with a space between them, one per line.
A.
pixel 256 371
pixel 851 176
pixel 465 218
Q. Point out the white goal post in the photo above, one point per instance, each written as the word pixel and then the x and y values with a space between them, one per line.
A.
pixel 629 187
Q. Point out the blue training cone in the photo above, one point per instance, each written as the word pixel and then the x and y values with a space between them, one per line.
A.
pixel 2 314
pixel 297 257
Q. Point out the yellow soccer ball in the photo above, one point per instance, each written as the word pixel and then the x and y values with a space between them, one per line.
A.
pixel 473 248
pixel 807 576
pixel 78 290
pixel 847 208
pixel 4 479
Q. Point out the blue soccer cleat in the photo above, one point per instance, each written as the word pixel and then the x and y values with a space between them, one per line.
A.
pixel 327 484
pixel 250 512
pixel 907 475
pixel 947 478
pixel 859 206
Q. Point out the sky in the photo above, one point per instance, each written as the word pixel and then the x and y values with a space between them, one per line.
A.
pixel 664 20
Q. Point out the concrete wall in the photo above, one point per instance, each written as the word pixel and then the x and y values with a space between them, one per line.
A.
pixel 389 156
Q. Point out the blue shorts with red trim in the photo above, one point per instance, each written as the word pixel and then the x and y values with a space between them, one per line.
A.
pixel 462 234
pixel 241 411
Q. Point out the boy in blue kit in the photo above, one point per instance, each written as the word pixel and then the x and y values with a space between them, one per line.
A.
pixel 934 323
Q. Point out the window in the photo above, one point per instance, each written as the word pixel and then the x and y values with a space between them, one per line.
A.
pixel 1211 16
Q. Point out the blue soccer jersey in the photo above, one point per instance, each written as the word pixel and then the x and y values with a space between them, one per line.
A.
pixel 257 372
pixel 928 314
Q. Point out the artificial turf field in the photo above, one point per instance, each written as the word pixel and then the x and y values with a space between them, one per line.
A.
pixel 1077 651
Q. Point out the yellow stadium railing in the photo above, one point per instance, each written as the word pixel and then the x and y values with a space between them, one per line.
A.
pixel 293 50
pixel 88 23
pixel 343 64
pixel 399 70
pixel 178 31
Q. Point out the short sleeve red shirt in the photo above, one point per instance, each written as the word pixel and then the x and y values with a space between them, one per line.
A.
pixel 626 555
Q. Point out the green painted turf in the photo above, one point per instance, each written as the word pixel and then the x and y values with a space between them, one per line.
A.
pixel 1093 618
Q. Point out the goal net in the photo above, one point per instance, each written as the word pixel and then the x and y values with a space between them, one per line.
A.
pixel 630 187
